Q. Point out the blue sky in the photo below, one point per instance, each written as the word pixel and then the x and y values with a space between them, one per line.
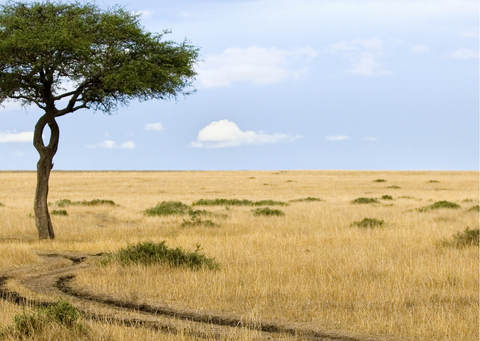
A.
pixel 290 84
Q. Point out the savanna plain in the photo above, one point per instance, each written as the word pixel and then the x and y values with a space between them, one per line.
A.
pixel 390 266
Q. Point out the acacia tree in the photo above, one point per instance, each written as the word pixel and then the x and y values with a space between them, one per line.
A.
pixel 78 56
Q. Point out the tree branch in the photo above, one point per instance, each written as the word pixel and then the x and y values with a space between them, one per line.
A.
pixel 29 100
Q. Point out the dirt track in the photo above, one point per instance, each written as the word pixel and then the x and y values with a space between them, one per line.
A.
pixel 43 284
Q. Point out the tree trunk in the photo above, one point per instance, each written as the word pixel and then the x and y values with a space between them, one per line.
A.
pixel 44 166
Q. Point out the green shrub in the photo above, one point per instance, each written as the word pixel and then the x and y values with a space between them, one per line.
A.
pixel 307 199
pixel 434 181
pixel 474 208
pixel 94 202
pixel 387 197
pixel 237 202
pixel 369 222
pixel 394 186
pixel 62 312
pixel 149 253
pixel 380 180
pixel 168 208
pixel 463 239
pixel 266 211
pixel 439 205
pixel 365 201
pixel 59 212
pixel 196 221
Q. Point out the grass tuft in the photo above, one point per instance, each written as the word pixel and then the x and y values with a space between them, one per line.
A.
pixel 237 202
pixel 387 197
pixel 463 239
pixel 150 253
pixel 380 180
pixel 439 205
pixel 168 208
pixel 394 186
pixel 364 201
pixel 94 202
pixel 59 212
pixel 436 181
pixel 266 211
pixel 307 199
pixel 196 221
pixel 369 223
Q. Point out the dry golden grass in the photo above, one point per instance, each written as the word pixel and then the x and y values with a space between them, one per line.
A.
pixel 309 267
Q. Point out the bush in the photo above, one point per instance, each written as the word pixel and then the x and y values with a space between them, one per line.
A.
pixel 463 239
pixel 394 186
pixel 168 208
pixel 307 199
pixel 266 211
pixel 149 253
pixel 59 212
pixel 380 180
pixel 387 197
pixel 196 221
pixel 365 201
pixel 237 202
pixel 369 222
pixel 434 181
pixel 94 202
pixel 474 208
pixel 439 205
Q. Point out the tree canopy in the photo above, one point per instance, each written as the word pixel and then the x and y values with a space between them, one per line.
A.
pixel 93 58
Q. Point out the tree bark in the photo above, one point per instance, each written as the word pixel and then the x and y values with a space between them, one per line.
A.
pixel 44 166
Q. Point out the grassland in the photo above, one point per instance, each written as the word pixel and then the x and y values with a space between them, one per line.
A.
pixel 311 267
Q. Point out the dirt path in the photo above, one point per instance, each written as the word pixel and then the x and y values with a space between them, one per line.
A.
pixel 43 284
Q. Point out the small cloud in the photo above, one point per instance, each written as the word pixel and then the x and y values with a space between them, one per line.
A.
pixel 464 53
pixel 370 138
pixel 154 127
pixel 337 138
pixel 373 44
pixel 256 64
pixel 366 65
pixel 420 48
pixel 223 133
pixel 110 144
pixel 26 136
pixel 145 13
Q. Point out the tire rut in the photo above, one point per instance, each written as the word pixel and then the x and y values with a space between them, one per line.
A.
pixel 53 277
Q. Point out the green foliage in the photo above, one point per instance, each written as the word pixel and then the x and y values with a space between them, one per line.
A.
pixel 307 199
pixel 149 253
pixel 59 212
pixel 380 180
pixel 364 201
pixel 463 239
pixel 266 211
pixel 387 197
pixel 29 323
pixel 475 208
pixel 434 181
pixel 237 202
pixel 106 54
pixel 94 202
pixel 369 223
pixel 168 208
pixel 439 205
pixel 197 221
pixel 394 186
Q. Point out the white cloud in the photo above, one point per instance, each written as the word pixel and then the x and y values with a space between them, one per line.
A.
pixel 110 144
pixel 420 48
pixel 223 133
pixel 154 127
pixel 363 54
pixel 370 138
pixel 26 136
pixel 464 53
pixel 256 64
pixel 337 138
pixel 145 13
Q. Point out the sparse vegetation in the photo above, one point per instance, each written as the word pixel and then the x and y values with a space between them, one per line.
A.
pixel 150 253
pixel 307 199
pixel 394 186
pixel 440 205
pixel 168 208
pixel 364 201
pixel 197 221
pixel 369 223
pixel 436 181
pixel 94 202
pixel 475 208
pixel 59 212
pixel 387 197
pixel 463 239
pixel 266 211
pixel 380 180
pixel 237 202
